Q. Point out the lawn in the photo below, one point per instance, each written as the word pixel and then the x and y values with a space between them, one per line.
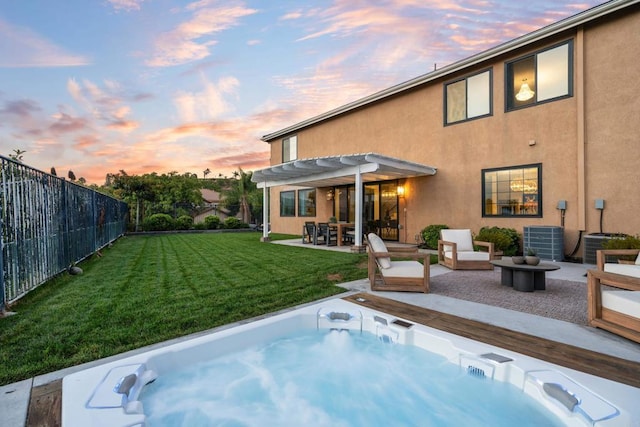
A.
pixel 147 289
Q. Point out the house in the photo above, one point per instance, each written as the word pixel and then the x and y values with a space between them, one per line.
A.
pixel 538 131
pixel 212 206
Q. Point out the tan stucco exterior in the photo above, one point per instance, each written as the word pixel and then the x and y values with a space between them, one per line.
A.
pixel 588 143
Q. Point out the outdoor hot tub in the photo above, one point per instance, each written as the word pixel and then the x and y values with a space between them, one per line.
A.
pixel 363 363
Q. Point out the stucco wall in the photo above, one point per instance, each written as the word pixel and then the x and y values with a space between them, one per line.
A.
pixel 612 114
pixel 411 127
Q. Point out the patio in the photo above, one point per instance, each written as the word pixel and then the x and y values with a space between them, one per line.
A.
pixel 578 335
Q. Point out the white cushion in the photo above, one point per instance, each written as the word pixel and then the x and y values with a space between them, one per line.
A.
pixel 377 245
pixel 469 256
pixel 626 302
pixel 462 238
pixel 473 256
pixel 632 270
pixel 404 269
pixel 638 259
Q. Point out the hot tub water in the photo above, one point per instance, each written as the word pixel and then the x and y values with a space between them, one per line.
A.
pixel 335 378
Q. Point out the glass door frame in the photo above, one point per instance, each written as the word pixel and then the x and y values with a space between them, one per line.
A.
pixel 380 207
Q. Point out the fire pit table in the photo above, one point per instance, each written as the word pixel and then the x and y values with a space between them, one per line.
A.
pixel 524 277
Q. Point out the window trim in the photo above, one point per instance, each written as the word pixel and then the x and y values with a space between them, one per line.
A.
pixel 509 93
pixel 483 173
pixel 465 78
pixel 301 211
pixel 282 193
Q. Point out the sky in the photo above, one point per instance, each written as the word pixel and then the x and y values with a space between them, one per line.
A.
pixel 142 86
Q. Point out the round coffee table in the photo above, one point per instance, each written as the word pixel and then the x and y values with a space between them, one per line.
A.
pixel 524 277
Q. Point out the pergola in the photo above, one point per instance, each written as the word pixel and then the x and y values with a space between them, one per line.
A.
pixel 333 171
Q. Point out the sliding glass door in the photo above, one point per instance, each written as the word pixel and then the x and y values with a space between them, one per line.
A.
pixel 379 208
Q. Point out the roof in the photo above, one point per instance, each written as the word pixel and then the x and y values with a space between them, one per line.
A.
pixel 339 170
pixel 550 30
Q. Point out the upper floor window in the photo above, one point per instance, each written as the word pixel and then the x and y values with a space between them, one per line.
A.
pixel 307 202
pixel 514 191
pixel 289 149
pixel 287 203
pixel 543 76
pixel 468 98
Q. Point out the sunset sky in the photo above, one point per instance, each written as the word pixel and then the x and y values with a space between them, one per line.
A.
pixel 99 86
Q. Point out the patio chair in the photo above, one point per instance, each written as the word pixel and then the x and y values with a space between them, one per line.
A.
pixel 309 233
pixel 327 234
pixel 456 251
pixel 349 235
pixel 616 307
pixel 391 271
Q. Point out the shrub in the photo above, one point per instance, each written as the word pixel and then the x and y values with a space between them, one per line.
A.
pixel 623 242
pixel 431 235
pixel 200 226
pixel 184 222
pixel 233 222
pixel 506 240
pixel 212 222
pixel 158 222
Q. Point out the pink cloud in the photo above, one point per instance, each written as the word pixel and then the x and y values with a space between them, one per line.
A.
pixel 64 123
pixel 21 47
pixel 191 40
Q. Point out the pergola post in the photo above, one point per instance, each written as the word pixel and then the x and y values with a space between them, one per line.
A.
pixel 357 244
pixel 266 206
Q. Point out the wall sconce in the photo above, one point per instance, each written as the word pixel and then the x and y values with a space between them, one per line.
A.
pixel 525 92
pixel 400 191
pixel 330 194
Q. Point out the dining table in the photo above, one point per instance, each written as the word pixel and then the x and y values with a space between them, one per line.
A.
pixel 341 228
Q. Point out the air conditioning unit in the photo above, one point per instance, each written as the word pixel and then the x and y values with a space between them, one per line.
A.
pixel 593 242
pixel 547 241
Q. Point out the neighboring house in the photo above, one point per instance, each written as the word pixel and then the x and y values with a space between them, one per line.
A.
pixel 539 131
pixel 212 206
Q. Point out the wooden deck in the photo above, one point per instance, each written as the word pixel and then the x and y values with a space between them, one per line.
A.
pixel 45 406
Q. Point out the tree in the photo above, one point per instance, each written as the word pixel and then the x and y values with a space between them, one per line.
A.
pixel 17 155
pixel 171 193
pixel 53 171
pixel 242 192
pixel 206 172
pixel 72 176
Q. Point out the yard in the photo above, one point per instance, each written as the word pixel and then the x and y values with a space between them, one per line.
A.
pixel 147 289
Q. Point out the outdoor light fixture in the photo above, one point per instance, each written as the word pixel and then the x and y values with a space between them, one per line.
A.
pixel 330 194
pixel 400 191
pixel 525 93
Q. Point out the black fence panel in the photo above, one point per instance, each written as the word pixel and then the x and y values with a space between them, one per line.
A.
pixel 48 224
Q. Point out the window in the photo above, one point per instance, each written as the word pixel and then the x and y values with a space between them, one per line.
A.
pixel 307 202
pixel 287 203
pixel 289 149
pixel 468 98
pixel 544 76
pixel 515 191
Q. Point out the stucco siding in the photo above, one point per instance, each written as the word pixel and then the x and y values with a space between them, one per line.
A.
pixel 410 126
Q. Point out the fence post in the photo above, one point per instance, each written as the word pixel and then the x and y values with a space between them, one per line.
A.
pixel 2 292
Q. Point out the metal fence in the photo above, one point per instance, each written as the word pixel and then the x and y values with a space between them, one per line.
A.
pixel 48 224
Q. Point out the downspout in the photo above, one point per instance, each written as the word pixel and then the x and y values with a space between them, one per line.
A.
pixel 581 130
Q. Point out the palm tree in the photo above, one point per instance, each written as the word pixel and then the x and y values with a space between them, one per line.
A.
pixel 243 192
pixel 206 172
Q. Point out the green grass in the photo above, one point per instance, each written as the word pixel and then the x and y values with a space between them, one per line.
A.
pixel 147 289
